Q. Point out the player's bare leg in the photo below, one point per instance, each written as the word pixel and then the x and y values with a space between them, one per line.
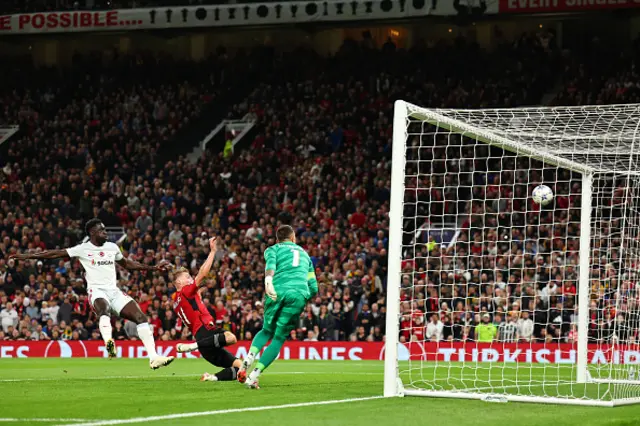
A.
pixel 132 312
pixel 101 307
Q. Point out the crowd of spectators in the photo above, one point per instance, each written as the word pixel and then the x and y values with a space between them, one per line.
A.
pixel 511 273
pixel 321 161
pixel 602 76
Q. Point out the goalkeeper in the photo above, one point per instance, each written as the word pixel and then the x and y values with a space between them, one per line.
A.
pixel 289 283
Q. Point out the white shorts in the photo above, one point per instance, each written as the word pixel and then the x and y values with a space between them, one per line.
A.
pixel 115 297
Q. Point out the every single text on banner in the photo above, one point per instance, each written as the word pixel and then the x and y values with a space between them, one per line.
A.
pixel 556 353
pixel 253 14
pixel 549 6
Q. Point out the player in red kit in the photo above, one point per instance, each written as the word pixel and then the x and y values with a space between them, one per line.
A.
pixel 210 341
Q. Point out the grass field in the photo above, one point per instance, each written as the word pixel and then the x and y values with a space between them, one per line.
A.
pixel 125 391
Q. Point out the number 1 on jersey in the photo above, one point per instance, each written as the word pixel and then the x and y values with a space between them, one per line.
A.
pixel 296 258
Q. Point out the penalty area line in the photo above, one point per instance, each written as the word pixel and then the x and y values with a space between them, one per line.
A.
pixel 217 412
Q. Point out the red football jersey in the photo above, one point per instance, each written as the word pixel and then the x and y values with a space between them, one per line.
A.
pixel 189 307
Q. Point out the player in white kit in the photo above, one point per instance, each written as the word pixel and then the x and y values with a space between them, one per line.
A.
pixel 98 258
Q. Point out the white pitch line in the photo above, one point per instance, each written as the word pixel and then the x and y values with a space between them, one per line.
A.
pixel 165 376
pixel 42 420
pixel 52 379
pixel 216 412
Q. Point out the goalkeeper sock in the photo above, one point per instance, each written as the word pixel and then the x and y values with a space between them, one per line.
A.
pixel 227 374
pixel 253 377
pixel 271 353
pixel 104 324
pixel 248 361
pixel 259 341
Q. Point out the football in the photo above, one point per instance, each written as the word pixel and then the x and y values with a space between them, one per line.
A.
pixel 542 195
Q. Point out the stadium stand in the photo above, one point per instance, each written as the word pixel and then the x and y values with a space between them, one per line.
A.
pixel 601 76
pixel 320 160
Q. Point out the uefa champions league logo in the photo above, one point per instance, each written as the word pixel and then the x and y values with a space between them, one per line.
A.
pixel 62 349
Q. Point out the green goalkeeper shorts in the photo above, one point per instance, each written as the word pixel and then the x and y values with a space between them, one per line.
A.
pixel 282 315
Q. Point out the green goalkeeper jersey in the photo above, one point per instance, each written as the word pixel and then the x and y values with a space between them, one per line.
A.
pixel 293 269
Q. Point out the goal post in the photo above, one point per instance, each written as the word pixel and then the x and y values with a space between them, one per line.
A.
pixel 510 300
pixel 583 281
pixel 392 382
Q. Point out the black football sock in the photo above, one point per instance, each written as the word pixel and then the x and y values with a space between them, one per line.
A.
pixel 227 374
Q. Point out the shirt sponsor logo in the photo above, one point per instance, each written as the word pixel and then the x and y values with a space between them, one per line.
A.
pixel 101 262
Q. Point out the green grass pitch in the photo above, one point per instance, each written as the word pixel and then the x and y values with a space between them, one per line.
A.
pixel 66 391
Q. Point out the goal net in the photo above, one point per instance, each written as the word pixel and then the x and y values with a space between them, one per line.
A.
pixel 492 296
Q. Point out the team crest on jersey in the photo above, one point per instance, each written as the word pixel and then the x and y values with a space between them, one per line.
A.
pixel 101 254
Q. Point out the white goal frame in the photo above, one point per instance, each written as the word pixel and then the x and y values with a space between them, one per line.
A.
pixel 393 385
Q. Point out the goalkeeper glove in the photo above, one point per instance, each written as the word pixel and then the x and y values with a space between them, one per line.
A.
pixel 270 289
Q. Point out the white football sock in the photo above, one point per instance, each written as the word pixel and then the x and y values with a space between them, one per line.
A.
pixel 191 346
pixel 104 324
pixel 248 361
pixel 211 378
pixel 254 374
pixel 146 335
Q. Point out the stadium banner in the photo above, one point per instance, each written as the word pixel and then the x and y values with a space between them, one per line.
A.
pixel 550 6
pixel 234 15
pixel 251 14
pixel 552 353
